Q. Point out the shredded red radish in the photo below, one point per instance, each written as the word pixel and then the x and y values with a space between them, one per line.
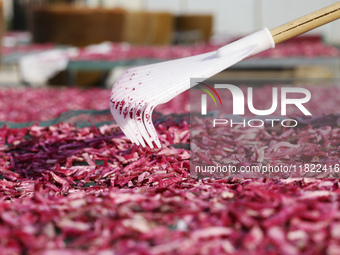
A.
pixel 69 190
pixel 302 47
pixel 40 104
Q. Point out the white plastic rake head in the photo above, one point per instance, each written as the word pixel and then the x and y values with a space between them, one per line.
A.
pixel 139 90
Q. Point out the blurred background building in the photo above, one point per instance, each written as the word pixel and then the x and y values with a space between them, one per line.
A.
pixel 230 17
pixel 37 26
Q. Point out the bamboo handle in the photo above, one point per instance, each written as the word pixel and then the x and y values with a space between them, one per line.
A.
pixel 306 23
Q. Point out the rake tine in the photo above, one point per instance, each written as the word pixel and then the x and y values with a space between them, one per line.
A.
pixel 131 123
pixel 149 126
pixel 116 117
pixel 141 126
pixel 126 130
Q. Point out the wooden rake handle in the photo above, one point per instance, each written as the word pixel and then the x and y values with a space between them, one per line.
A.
pixel 306 23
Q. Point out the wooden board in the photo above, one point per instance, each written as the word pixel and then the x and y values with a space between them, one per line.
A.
pixel 203 23
pixel 76 26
